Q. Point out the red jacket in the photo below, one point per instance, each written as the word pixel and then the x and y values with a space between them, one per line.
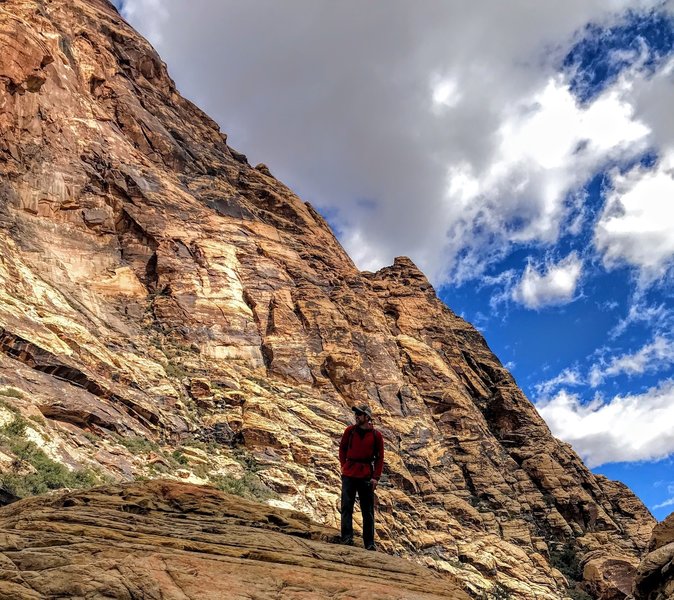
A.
pixel 357 451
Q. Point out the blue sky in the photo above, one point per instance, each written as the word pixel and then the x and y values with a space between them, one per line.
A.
pixel 523 158
pixel 599 343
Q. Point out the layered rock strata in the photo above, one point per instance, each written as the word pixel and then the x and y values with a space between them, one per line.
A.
pixel 162 540
pixel 155 286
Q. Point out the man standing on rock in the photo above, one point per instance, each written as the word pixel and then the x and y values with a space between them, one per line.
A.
pixel 361 454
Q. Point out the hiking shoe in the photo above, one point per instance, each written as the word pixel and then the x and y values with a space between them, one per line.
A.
pixel 346 542
pixel 372 547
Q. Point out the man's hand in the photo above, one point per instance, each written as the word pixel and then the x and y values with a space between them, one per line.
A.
pixel 373 483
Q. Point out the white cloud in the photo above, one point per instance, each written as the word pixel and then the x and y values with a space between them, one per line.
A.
pixel 636 226
pixel 504 283
pixel 664 504
pixel 626 428
pixel 468 143
pixel 544 150
pixel 553 284
pixel 669 501
pixel 445 94
pixel 652 101
pixel 657 317
pixel 148 16
pixel 566 377
pixel 653 357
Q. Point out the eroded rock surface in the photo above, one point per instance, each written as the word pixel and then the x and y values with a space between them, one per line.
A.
pixel 155 286
pixel 655 574
pixel 165 540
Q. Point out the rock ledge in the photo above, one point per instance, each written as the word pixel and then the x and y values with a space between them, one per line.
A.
pixel 169 540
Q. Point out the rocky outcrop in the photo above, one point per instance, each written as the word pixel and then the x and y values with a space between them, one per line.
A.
pixel 166 540
pixel 165 307
pixel 655 574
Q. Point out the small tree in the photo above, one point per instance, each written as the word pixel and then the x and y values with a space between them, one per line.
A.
pixel 566 560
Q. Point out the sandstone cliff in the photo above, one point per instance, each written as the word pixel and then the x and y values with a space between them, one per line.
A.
pixel 655 574
pixel 166 307
pixel 165 540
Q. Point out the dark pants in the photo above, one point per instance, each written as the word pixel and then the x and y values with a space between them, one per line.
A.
pixel 350 487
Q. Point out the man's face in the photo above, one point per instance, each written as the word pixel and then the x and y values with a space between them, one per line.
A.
pixel 361 418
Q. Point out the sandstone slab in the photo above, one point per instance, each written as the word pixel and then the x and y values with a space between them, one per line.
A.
pixel 165 540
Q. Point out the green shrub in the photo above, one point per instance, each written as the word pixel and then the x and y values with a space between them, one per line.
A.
pixel 565 559
pixel 92 437
pixel 137 444
pixel 160 468
pixel 11 392
pixel 39 419
pixel 249 486
pixel 48 475
pixel 176 371
pixel 15 429
pixel 179 457
pixel 210 446
pixel 246 460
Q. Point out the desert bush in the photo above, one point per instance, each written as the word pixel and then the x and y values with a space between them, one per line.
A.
pixel 47 474
pixel 11 392
pixel 179 457
pixel 138 444
pixel 175 370
pixel 249 486
pixel 565 559
pixel 15 429
pixel 39 419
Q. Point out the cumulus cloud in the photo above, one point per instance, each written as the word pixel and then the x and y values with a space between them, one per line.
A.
pixel 653 357
pixel 566 377
pixel 554 283
pixel 543 151
pixel 636 226
pixel 454 119
pixel 626 428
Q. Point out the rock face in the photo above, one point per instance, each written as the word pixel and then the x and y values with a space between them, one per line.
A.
pixel 655 574
pixel 164 306
pixel 163 540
